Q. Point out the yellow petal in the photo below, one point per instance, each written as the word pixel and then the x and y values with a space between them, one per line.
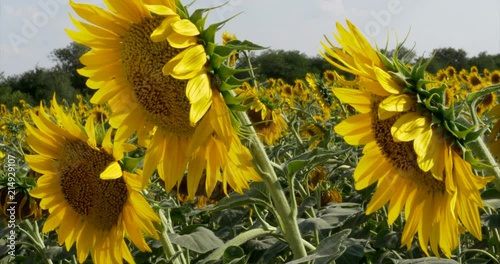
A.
pixel 113 171
pixel 101 18
pixel 409 126
pixel 357 130
pixel 161 10
pixel 41 164
pixel 164 29
pixel 360 100
pixel 199 93
pixel 395 103
pixel 191 62
pixel 185 27
pixel 386 80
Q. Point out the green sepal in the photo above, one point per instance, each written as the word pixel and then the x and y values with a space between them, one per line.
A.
pixel 216 60
pixel 182 10
pixel 451 127
pixel 440 92
pixel 231 83
pixel 129 164
pixel 418 71
pixel 450 113
pixel 231 99
pixel 402 68
pixel 226 72
pixel 208 35
pixel 400 78
pixel 476 164
pixel 429 103
pixel 385 61
pixel 209 48
pixel 475 134
pixel 421 90
pixel 243 45
pixel 462 134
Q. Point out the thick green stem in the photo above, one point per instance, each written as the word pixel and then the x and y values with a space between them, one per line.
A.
pixel 287 218
pixel 168 248
pixel 481 151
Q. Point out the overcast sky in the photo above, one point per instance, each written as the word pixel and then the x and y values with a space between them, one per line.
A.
pixel 31 29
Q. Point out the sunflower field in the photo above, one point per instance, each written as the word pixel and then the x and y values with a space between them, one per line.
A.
pixel 175 159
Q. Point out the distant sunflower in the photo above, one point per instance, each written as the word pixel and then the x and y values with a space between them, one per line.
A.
pixel 321 95
pixel 150 64
pixel 267 119
pixel 226 38
pixel 26 206
pixel 475 81
pixel 495 77
pixel 415 166
pixel 494 137
pixel 451 71
pixel 329 76
pixel 95 213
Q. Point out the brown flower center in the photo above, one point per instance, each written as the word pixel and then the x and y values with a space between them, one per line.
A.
pixel 163 98
pixel 401 155
pixel 99 201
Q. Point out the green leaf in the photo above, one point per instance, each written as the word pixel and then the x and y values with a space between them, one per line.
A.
pixel 296 165
pixel 256 195
pixel 308 202
pixel 201 240
pixel 338 213
pixel 130 164
pixel 234 255
pixel 491 198
pixel 310 224
pixel 243 45
pixel 329 248
pixel 236 241
pixel 491 221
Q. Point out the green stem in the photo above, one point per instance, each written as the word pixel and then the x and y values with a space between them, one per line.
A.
pixel 287 218
pixel 168 248
pixel 481 150
pixel 33 232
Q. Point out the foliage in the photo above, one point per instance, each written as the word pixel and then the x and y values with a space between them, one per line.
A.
pixel 68 61
pixel 42 83
pixel 287 65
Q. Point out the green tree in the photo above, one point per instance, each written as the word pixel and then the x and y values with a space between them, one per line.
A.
pixel 68 61
pixel 42 83
pixel 287 65
pixel 9 97
pixel 484 61
pixel 444 57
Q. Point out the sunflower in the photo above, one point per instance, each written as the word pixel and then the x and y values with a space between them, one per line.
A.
pixel 148 60
pixel 494 137
pixel 27 206
pixel 266 117
pixel 95 213
pixel 495 77
pixel 226 38
pixel 321 95
pixel 416 164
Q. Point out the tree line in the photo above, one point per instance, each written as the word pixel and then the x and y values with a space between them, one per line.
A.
pixel 40 84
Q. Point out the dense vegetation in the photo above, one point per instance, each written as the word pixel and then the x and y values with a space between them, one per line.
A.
pixel 40 83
